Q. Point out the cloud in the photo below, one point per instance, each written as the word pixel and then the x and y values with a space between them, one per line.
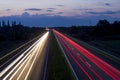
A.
pixel 82 9
pixel 25 14
pixel 105 12
pixel 60 13
pixel 8 9
pixel 50 10
pixel 33 9
pixel 55 20
pixel 46 20
pixel 60 5
pixel 107 4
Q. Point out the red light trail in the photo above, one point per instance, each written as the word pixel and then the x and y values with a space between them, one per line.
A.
pixel 105 67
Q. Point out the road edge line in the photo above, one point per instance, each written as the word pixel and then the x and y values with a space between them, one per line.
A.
pixel 73 72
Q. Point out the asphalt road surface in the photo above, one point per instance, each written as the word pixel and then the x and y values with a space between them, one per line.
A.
pixel 85 65
pixel 29 64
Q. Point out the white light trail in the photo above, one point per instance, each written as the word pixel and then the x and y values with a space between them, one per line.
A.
pixel 31 54
pixel 16 60
pixel 42 42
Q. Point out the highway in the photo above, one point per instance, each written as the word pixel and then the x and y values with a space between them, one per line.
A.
pixel 102 53
pixel 29 65
pixel 86 65
pixel 11 56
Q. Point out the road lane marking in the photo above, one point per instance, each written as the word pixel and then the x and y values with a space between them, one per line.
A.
pixel 43 40
pixel 88 63
pixel 20 67
pixel 73 72
pixel 9 66
pixel 15 61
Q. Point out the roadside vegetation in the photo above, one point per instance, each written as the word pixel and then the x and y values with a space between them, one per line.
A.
pixel 108 45
pixel 103 30
pixel 104 34
pixel 13 35
pixel 57 68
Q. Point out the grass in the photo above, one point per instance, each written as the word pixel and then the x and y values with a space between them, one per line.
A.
pixel 100 49
pixel 112 43
pixel 7 46
pixel 58 68
pixel 12 48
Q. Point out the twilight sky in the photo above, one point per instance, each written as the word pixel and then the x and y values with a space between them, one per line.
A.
pixel 59 12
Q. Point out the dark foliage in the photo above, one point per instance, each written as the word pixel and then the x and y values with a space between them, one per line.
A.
pixel 103 30
pixel 17 31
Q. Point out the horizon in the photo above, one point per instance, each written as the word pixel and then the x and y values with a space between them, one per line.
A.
pixel 60 13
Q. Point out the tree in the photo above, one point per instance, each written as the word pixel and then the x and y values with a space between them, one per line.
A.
pixel 0 23
pixel 19 24
pixel 8 24
pixel 116 24
pixel 74 30
pixel 3 23
pixel 13 23
pixel 103 23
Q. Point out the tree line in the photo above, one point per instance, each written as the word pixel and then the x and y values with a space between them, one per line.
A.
pixel 17 31
pixel 102 30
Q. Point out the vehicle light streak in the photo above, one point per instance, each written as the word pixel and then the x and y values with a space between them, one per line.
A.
pixel 74 74
pixel 41 44
pixel 19 67
pixel 32 51
pixel 25 62
pixel 108 69
pixel 77 56
pixel 16 60
pixel 9 66
pixel 78 64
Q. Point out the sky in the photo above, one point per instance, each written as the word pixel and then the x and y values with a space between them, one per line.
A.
pixel 59 12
